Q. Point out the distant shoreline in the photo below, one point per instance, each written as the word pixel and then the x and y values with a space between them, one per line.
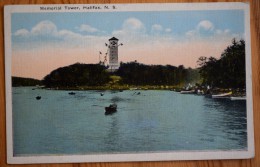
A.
pixel 235 92
pixel 109 87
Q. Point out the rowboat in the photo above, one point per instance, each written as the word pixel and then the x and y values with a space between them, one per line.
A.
pixel 223 95
pixel 38 97
pixel 112 108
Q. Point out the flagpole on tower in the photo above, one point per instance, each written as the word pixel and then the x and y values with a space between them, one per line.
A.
pixel 100 53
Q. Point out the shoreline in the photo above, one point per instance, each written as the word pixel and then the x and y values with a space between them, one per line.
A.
pixel 214 91
pixel 117 87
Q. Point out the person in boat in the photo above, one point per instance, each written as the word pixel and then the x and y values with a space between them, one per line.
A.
pixel 38 97
pixel 110 109
pixel 72 93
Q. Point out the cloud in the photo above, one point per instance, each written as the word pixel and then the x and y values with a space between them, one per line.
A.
pixel 87 28
pixel 130 26
pixel 156 28
pixel 44 28
pixel 203 28
pixel 205 25
pixel 191 33
pixel 168 30
pixel 206 29
pixel 66 34
pixel 45 34
pixel 222 32
pixel 133 24
pixel 45 31
pixel 22 32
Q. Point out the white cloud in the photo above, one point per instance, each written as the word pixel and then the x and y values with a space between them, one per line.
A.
pixel 191 33
pixel 205 25
pixel 87 28
pixel 156 28
pixel 227 31
pixel 206 29
pixel 218 31
pixel 168 30
pixel 129 27
pixel 44 28
pixel 22 32
pixel 45 34
pixel 68 34
pixel 222 32
pixel 133 24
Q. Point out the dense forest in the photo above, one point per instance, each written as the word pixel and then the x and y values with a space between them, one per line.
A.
pixel 19 81
pixel 228 71
pixel 77 75
pixel 134 73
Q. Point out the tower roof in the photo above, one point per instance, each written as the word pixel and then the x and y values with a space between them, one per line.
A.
pixel 113 38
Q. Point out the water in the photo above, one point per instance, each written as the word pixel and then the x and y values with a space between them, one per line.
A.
pixel 63 124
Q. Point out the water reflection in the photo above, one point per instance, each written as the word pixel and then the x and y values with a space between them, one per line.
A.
pixel 226 119
pixel 112 134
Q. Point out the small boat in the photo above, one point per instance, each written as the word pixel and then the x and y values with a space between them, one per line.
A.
pixel 238 98
pixel 133 88
pixel 138 93
pixel 112 108
pixel 187 91
pixel 72 93
pixel 38 97
pixel 101 94
pixel 223 95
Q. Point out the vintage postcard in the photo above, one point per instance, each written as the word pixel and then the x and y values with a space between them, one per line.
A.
pixel 128 82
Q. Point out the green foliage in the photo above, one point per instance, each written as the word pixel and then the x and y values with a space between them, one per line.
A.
pixel 229 70
pixel 77 75
pixel 134 73
pixel 19 81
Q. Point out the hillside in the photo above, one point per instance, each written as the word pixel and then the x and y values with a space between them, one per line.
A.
pixel 77 75
pixel 19 81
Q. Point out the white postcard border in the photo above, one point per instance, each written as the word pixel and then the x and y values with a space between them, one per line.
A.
pixel 155 156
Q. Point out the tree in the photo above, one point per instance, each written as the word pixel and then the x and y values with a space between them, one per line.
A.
pixel 139 74
pixel 229 70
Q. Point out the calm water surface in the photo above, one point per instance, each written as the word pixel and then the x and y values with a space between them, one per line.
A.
pixel 60 123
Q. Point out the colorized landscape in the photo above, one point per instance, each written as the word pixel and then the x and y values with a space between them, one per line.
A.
pixel 130 84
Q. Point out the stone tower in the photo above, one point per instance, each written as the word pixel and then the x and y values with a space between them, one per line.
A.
pixel 113 54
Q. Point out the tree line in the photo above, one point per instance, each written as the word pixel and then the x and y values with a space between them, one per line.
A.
pixel 132 73
pixel 135 73
pixel 19 81
pixel 228 71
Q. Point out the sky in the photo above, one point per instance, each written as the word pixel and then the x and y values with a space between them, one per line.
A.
pixel 42 42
